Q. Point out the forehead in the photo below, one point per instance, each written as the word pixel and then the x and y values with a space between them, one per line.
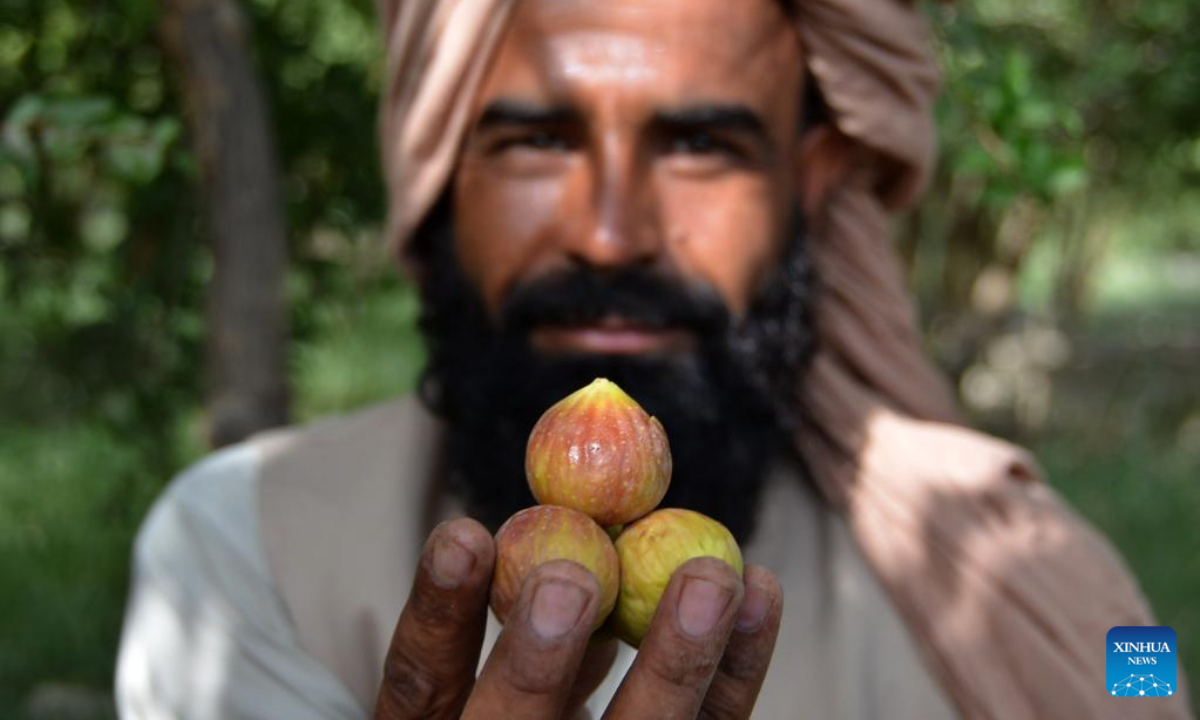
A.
pixel 673 50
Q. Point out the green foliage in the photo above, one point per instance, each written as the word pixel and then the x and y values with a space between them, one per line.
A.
pixel 364 348
pixel 1000 124
pixel 102 271
pixel 1067 146
pixel 1113 81
pixel 102 263
pixel 70 501
pixel 322 62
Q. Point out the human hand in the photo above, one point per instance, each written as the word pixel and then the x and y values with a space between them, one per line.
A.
pixel 706 652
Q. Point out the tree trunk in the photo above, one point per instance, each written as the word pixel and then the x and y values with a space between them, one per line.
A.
pixel 229 123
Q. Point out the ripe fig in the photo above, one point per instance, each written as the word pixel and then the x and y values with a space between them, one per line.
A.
pixel 543 533
pixel 650 550
pixel 599 452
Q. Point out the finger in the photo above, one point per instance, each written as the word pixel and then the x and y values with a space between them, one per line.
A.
pixel 430 665
pixel 743 667
pixel 534 664
pixel 681 650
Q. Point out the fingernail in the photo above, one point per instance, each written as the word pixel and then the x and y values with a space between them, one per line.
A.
pixel 701 605
pixel 452 564
pixel 753 610
pixel 557 606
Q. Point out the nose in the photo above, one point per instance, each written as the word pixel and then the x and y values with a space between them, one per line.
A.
pixel 619 226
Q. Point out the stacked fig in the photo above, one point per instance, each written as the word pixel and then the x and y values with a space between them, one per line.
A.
pixel 600 465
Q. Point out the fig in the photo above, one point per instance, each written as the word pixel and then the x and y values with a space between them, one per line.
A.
pixel 597 451
pixel 650 550
pixel 543 533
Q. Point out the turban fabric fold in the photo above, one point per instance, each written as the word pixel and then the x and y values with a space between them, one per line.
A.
pixel 1006 591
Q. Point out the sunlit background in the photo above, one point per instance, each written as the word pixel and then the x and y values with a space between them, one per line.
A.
pixel 1057 264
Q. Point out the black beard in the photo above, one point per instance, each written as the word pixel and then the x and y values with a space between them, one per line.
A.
pixel 729 405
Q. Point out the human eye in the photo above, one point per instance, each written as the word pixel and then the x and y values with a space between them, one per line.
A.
pixel 707 147
pixel 697 142
pixel 539 139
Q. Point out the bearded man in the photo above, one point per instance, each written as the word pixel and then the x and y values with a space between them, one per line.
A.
pixel 689 197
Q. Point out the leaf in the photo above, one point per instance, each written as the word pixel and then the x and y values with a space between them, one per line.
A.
pixel 80 112
pixel 1068 179
pixel 974 160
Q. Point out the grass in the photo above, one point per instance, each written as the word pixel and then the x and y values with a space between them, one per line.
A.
pixel 70 501
pixel 1123 450
pixel 365 348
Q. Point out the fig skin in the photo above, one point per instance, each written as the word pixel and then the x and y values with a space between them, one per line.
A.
pixel 597 451
pixel 543 533
pixel 650 550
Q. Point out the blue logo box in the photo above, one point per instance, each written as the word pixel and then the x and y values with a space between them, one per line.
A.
pixel 1141 661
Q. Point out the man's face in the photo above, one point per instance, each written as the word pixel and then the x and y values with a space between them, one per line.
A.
pixel 649 133
pixel 624 207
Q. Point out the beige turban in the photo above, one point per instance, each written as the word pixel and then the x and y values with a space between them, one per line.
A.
pixel 1007 592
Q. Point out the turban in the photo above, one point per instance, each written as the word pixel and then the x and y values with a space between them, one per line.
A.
pixel 1008 594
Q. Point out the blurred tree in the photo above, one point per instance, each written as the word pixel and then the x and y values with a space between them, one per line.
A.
pixel 1045 143
pixel 103 274
pixel 231 132
pixel 99 270
pixel 102 268
pixel 1009 153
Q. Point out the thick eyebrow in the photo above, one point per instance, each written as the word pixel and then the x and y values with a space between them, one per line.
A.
pixel 731 117
pixel 502 113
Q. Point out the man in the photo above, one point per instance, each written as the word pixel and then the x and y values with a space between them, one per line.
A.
pixel 689 197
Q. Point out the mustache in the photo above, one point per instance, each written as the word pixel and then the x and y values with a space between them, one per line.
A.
pixel 637 295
